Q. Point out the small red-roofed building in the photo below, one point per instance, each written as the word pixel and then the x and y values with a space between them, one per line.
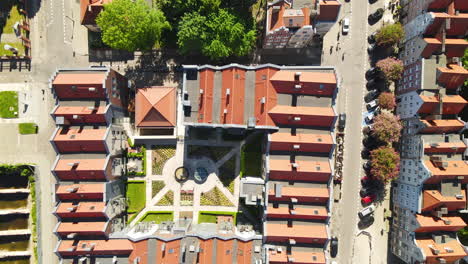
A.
pixel 69 210
pixel 89 191
pixel 303 116
pixel 306 83
pixel 292 211
pixel 310 171
pixel 280 193
pixel 111 247
pixel 82 229
pixel 74 167
pixel 90 9
pixel 317 143
pixel 296 232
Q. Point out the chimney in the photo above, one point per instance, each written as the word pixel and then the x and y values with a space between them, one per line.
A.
pixel 297 75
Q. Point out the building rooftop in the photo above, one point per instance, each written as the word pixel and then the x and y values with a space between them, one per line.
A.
pixel 447 168
pixel 308 230
pixel 80 78
pixel 433 199
pixel 80 190
pixel 434 224
pixel 442 126
pixel 86 113
pixel 81 209
pixel 87 228
pixel 155 107
pixel 297 255
pixel 86 133
pixel 94 247
pixel 294 211
pixel 244 95
pixel 450 251
pixel 299 166
pixel 81 164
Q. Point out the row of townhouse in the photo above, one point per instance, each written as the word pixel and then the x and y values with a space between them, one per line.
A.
pixel 294 105
pixel 429 197
pixel 89 144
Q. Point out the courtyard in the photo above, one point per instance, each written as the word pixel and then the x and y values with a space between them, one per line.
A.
pixel 199 179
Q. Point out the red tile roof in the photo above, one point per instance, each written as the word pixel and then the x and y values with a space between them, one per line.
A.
pixel 94 247
pixel 296 256
pixel 224 250
pixel 232 105
pixel 79 78
pixel 205 109
pixel 428 247
pixel 432 199
pixel 80 165
pixel 452 76
pixel 440 126
pixel 206 251
pixel 171 251
pixel 451 104
pixel 301 233
pixel 301 142
pixel 297 213
pixel 445 147
pixel 315 171
pixel 155 107
pixel 79 134
pixel 303 115
pixel 81 191
pixel 82 114
pixel 82 228
pixel 328 10
pixel 302 194
pixel 310 83
pixel 264 89
pixel 244 252
pixel 434 224
pixel 82 209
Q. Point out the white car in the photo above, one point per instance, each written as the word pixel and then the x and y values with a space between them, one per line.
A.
pixel 369 118
pixel 345 26
pixel 366 211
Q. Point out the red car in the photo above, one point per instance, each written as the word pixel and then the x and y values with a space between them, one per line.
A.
pixel 368 199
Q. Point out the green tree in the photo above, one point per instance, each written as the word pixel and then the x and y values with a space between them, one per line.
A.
pixel 387 128
pixel 387 100
pixel 219 35
pixel 176 9
pixel 131 25
pixel 391 67
pixel 385 163
pixel 390 34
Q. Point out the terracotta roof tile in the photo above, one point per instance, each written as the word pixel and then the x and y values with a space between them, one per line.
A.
pixel 433 199
pixel 298 256
pixel 79 78
pixel 428 245
pixel 434 224
pixel 94 247
pixel 155 107
pixel 78 134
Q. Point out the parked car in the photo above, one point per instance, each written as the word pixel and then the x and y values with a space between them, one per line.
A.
pixel 345 26
pixel 371 47
pixel 366 167
pixel 333 247
pixel 366 191
pixel 376 15
pixel 377 110
pixel 369 118
pixel 368 199
pixel 371 38
pixel 367 129
pixel 372 104
pixel 372 1
pixel 342 121
pixel 373 83
pixel 369 210
pixel 371 95
pixel 372 73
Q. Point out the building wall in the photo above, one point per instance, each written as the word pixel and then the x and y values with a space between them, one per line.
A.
pixel 411 79
pixel 277 39
pixel 303 147
pixel 322 89
pixel 301 38
pixel 306 120
pixel 285 239
pixel 80 146
pixel 310 199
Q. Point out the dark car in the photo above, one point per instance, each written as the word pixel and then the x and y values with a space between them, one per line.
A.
pixel 371 95
pixel 372 1
pixel 366 191
pixel 371 47
pixel 333 247
pixel 371 38
pixel 342 121
pixel 366 167
pixel 372 73
pixel 377 15
pixel 371 84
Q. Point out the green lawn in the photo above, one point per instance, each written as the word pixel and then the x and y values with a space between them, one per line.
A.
pixel 136 193
pixel 167 199
pixel 17 45
pixel 210 216
pixel 158 217
pixel 8 104
pixel 156 186
pixel 27 128
pixel 14 17
pixel 214 197
pixel 251 157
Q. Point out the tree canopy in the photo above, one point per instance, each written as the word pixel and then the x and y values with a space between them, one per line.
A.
pixel 218 35
pixel 390 34
pixel 387 101
pixel 385 163
pixel 131 25
pixel 391 67
pixel 387 128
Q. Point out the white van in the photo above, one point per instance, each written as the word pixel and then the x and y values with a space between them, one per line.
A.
pixel 366 211
pixel 345 26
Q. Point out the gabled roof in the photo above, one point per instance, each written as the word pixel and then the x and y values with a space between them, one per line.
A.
pixel 433 224
pixel 434 198
pixel 305 77
pixel 451 251
pixel 156 107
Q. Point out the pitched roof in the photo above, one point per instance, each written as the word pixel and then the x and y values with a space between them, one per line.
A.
pixel 428 246
pixel 434 198
pixel 432 224
pixel 156 107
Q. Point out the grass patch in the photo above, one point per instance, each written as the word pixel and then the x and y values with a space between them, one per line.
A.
pixel 214 198
pixel 157 217
pixel 18 45
pixel 156 186
pixel 13 17
pixel 251 157
pixel 167 199
pixel 210 216
pixel 136 196
pixel 27 128
pixel 8 104
pixel 160 155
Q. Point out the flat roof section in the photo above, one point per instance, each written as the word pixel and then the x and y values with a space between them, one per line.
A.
pixel 457 147
pixel 433 199
pixel 306 230
pixel 302 116
pixel 305 83
pixel 293 211
pixel 76 209
pixel 94 247
pixel 65 164
pixel 232 96
pixel 205 109
pixel 224 250
pixel 81 78
pixel 434 224
pixel 80 134
pixel 296 256
pixel 265 96
pixel 65 228
pixel 301 166
pixel 80 191
pixel 429 247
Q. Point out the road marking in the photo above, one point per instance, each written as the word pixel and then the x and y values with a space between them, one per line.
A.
pixel 51 11
pixel 64 24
